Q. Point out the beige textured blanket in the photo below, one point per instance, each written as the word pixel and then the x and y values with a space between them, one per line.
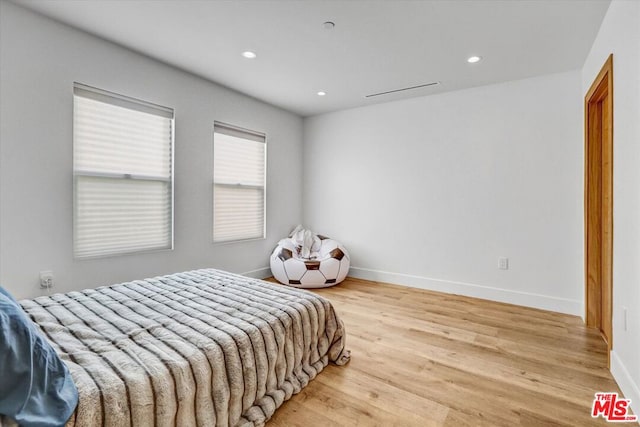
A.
pixel 200 348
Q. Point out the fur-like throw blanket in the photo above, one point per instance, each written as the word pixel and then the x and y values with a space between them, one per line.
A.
pixel 200 348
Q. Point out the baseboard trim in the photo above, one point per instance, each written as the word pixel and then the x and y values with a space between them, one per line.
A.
pixel 543 302
pixel 259 273
pixel 627 385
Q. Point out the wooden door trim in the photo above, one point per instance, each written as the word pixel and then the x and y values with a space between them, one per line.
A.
pixel 601 86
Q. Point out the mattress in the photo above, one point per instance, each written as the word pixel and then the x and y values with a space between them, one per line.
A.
pixel 200 348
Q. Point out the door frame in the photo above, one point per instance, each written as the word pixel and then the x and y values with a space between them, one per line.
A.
pixel 599 300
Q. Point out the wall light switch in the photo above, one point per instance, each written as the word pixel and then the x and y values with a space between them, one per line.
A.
pixel 503 263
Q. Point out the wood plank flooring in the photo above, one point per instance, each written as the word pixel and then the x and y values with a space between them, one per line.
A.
pixel 422 358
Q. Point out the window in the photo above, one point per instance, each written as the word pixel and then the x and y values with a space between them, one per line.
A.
pixel 238 183
pixel 123 174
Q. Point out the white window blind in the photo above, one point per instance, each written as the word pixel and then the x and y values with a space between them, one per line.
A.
pixel 123 174
pixel 239 166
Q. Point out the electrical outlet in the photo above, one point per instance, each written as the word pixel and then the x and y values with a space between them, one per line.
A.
pixel 46 279
pixel 503 263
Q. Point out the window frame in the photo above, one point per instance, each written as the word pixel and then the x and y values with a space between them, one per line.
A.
pixel 125 102
pixel 256 134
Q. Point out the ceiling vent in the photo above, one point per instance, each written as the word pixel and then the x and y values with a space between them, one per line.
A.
pixel 402 90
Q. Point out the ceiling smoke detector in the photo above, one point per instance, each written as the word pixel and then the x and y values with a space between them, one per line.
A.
pixel 328 25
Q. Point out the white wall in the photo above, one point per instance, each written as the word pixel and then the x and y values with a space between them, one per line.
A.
pixel 430 191
pixel 39 61
pixel 620 35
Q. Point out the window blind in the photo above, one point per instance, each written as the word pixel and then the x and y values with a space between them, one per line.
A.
pixel 123 174
pixel 239 168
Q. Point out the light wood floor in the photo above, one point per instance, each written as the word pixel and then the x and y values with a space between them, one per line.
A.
pixel 422 358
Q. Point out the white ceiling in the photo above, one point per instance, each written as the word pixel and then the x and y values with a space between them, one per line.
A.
pixel 376 46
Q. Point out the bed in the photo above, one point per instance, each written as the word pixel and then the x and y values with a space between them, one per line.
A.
pixel 200 348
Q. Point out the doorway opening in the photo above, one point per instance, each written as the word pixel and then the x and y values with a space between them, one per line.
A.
pixel 598 191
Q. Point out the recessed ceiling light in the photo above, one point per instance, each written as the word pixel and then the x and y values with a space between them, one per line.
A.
pixel 321 93
pixel 248 54
pixel 474 59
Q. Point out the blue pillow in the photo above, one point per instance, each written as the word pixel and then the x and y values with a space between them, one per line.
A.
pixel 36 388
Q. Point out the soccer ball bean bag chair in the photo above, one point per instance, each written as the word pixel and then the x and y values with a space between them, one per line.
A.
pixel 326 264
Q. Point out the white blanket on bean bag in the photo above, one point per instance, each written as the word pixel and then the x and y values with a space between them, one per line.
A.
pixel 306 240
